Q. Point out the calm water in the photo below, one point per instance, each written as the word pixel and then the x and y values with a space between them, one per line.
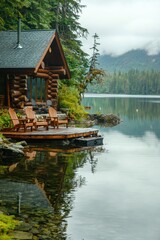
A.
pixel 121 199
pixel 107 193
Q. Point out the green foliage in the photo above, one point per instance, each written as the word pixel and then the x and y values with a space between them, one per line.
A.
pixel 1 136
pixel 5 120
pixel 33 14
pixel 3 169
pixel 131 82
pixel 94 74
pixel 66 14
pixel 78 64
pixel 7 224
pixel 69 98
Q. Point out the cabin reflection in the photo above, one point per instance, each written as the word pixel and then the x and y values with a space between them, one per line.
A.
pixel 43 184
pixel 52 171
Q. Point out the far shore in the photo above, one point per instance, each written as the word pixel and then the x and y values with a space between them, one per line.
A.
pixel 119 95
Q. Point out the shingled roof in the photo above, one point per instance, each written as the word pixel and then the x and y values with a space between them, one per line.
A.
pixel 34 43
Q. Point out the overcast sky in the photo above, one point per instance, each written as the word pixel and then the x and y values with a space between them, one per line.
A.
pixel 122 25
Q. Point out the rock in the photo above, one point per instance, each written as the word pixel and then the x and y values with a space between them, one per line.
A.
pixel 65 142
pixel 106 120
pixel 22 143
pixel 22 235
pixel 12 150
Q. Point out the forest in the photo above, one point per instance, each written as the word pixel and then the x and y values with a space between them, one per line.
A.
pixel 134 72
pixel 131 82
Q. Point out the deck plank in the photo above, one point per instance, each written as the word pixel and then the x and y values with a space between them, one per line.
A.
pixel 60 133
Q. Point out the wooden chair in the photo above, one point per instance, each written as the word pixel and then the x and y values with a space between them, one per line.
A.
pixel 54 120
pixel 19 123
pixel 31 116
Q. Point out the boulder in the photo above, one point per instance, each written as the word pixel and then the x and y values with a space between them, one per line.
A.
pixel 12 150
pixel 105 119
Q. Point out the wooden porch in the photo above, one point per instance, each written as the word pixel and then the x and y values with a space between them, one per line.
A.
pixel 52 134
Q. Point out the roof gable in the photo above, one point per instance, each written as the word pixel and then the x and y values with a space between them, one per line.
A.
pixel 35 45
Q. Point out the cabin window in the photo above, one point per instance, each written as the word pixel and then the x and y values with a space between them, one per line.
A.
pixel 36 89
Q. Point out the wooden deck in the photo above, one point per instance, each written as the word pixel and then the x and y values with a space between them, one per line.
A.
pixel 60 133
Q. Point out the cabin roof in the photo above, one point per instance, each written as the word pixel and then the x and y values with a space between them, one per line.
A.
pixel 35 44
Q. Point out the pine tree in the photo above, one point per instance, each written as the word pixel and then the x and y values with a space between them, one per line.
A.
pixel 34 14
pixel 94 74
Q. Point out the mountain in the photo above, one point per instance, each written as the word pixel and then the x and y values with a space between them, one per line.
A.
pixel 135 59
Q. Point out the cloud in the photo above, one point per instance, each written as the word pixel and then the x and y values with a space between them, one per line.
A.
pixel 122 25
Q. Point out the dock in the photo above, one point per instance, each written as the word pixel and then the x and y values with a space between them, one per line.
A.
pixel 52 133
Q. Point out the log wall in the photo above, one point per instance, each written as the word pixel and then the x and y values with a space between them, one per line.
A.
pixel 18 88
pixel 18 91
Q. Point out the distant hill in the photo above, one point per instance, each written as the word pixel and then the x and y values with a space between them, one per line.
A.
pixel 135 59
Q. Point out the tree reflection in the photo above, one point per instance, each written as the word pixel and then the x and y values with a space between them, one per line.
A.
pixel 54 174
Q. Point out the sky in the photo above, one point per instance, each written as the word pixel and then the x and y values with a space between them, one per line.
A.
pixel 122 25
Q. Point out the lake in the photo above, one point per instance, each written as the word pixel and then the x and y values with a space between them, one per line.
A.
pixel 120 200
pixel 110 192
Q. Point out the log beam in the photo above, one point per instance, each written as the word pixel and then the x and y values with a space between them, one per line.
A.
pixel 42 75
pixel 59 71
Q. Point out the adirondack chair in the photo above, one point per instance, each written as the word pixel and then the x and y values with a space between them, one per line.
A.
pixel 54 120
pixel 31 116
pixel 19 123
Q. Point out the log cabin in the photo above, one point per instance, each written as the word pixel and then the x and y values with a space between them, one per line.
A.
pixel 31 64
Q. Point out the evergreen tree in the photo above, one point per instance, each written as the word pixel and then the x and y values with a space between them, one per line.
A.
pixel 66 14
pixel 94 74
pixel 34 14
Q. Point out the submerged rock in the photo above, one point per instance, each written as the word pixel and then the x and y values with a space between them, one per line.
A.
pixel 105 119
pixel 9 149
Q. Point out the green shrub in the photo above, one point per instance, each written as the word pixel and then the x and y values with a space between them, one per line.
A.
pixel 68 97
pixel 5 120
pixel 1 136
pixel 3 169
pixel 7 224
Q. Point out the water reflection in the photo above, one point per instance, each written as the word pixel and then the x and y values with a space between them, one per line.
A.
pixel 132 108
pixel 43 185
pixel 93 194
pixel 138 114
pixel 121 200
